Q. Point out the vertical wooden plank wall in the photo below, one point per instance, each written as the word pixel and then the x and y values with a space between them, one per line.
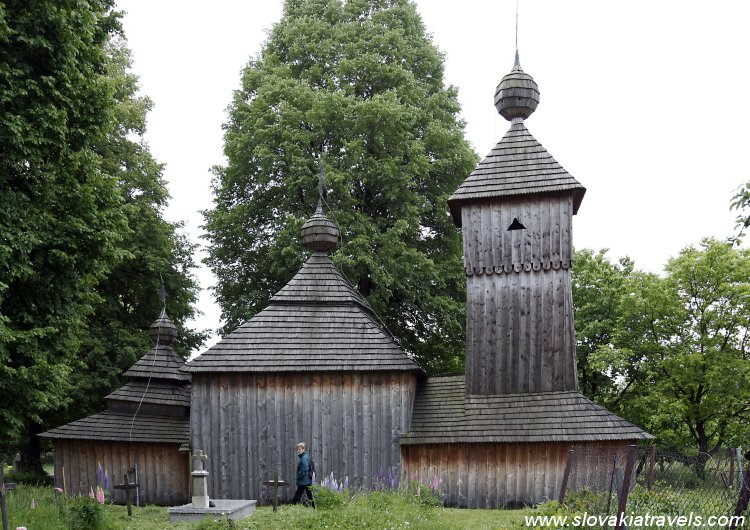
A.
pixel 163 470
pixel 519 302
pixel 494 475
pixel 248 425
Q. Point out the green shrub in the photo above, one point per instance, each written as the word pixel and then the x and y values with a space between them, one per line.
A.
pixel 326 499
pixel 30 479
pixel 85 513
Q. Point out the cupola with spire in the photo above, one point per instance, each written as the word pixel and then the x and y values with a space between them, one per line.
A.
pixel 319 233
pixel 517 95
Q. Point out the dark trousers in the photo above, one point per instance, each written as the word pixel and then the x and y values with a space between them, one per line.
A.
pixel 298 495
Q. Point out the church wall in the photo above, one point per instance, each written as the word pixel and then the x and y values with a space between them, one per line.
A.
pixel 248 425
pixel 546 242
pixel 519 314
pixel 494 475
pixel 163 472
pixel 519 333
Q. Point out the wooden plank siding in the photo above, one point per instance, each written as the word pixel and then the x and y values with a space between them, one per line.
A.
pixel 163 472
pixel 519 333
pixel 519 302
pixel 546 242
pixel 249 423
pixel 497 475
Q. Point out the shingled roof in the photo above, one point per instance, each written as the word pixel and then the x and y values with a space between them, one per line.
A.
pixel 154 392
pixel 123 427
pixel 162 362
pixel 156 379
pixel 444 413
pixel 317 322
pixel 517 165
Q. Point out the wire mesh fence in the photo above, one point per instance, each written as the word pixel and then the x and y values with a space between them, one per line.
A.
pixel 645 486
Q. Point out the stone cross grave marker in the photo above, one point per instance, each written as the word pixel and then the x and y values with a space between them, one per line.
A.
pixel 200 480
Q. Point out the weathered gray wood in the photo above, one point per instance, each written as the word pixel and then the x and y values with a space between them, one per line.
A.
pixel 378 404
pixel 163 470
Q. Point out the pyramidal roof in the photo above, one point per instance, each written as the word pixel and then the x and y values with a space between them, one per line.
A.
pixel 320 282
pixel 316 322
pixel 162 362
pixel 517 165
pixel 156 379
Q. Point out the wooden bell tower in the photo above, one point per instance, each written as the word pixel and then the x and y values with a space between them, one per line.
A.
pixel 515 211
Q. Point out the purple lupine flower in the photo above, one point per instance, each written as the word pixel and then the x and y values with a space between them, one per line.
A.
pixel 105 481
pixel 99 473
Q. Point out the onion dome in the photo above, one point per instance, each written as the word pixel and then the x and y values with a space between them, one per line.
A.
pixel 163 331
pixel 319 233
pixel 517 95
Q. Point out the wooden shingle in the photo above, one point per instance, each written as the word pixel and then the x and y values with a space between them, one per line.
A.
pixel 162 362
pixel 123 427
pixel 317 322
pixel 444 413
pixel 517 165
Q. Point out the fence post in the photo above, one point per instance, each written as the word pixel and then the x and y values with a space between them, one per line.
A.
pixel 623 497
pixel 566 474
pixel 742 500
pixel 651 467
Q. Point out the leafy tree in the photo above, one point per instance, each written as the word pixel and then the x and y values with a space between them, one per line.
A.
pixel 116 333
pixel 61 222
pixel 361 84
pixel 598 288
pixel 679 354
pixel 741 203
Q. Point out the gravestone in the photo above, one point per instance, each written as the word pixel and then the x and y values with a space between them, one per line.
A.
pixel 201 506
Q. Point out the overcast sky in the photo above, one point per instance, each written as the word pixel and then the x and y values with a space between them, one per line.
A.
pixel 645 103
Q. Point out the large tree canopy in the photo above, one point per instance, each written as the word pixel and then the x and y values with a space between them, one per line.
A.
pixel 82 239
pixel 674 348
pixel 61 221
pixel 116 333
pixel 361 84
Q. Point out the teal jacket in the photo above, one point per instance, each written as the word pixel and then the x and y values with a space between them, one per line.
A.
pixel 304 473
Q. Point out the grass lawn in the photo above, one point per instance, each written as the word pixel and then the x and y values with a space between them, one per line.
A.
pixel 376 510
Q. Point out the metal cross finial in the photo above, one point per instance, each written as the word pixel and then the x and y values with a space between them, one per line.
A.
pixel 321 183
pixel 162 292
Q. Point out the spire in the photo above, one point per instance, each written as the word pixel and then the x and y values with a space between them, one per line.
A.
pixel 319 233
pixel 517 95
pixel 163 332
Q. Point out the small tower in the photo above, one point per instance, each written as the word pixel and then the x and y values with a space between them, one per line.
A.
pixel 516 211
pixel 145 425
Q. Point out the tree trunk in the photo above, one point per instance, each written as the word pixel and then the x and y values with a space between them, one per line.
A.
pixel 703 454
pixel 31 451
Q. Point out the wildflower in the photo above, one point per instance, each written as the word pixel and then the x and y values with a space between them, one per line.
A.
pixel 20 528
pixel 99 473
pixel 91 493
pixel 99 495
pixel 33 503
pixel 105 481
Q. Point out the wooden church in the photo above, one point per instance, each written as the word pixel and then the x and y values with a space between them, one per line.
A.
pixel 143 433
pixel 314 366
pixel 317 366
pixel 501 434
